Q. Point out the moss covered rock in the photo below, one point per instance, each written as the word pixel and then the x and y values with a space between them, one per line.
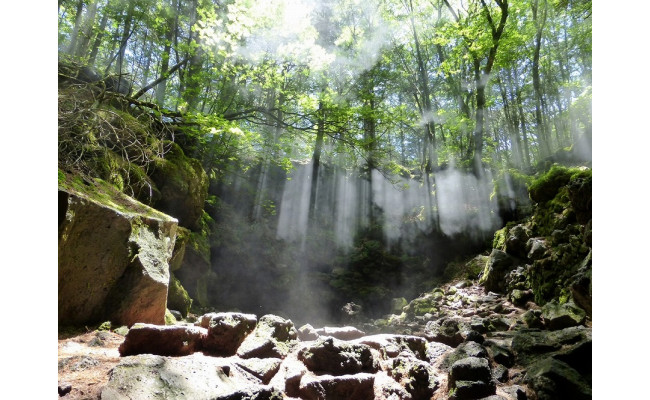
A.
pixel 113 256
pixel 183 186
pixel 177 298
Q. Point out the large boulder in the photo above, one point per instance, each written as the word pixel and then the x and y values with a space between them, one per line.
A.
pixel 273 337
pixel 553 379
pixel 335 357
pixel 471 378
pixel 196 377
pixel 113 256
pixel 499 264
pixel 175 340
pixel 226 331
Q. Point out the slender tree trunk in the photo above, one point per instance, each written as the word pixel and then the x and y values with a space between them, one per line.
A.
pixel 87 29
pixel 541 134
pixel 100 36
pixel 75 30
pixel 126 34
pixel 315 167
pixel 161 90
pixel 430 155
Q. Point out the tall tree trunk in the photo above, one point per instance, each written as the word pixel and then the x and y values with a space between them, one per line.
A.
pixel 315 167
pixel 541 133
pixel 87 29
pixel 430 154
pixel 126 34
pixel 161 90
pixel 75 30
pixel 100 36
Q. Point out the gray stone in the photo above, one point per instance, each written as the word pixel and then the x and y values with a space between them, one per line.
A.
pixel 470 369
pixel 554 379
pixel 272 338
pixel 416 376
pixel 445 331
pixel 307 333
pixel 499 264
pixel 343 333
pixel 262 368
pixel 358 387
pixel 392 345
pixel 537 248
pixel 336 357
pixel 559 316
pixel 226 331
pixel 517 239
pixel 196 377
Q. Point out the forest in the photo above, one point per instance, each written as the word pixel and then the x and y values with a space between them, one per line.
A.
pixel 329 161
pixel 399 124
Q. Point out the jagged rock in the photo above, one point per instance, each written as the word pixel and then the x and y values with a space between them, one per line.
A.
pixel 471 378
pixel 521 297
pixel 578 356
pixel 226 331
pixel 499 264
pixel 359 387
pixel 559 316
pixel 392 345
pixel 332 356
pixel 387 388
pixel 515 392
pixel 537 248
pixel 263 368
pixel 307 333
pixel 196 377
pixel 289 375
pixel 528 345
pixel 416 376
pixel 467 349
pixel 113 257
pixel 435 351
pixel 500 353
pixel 580 197
pixel 272 337
pixel 500 373
pixel 342 333
pixel 176 340
pixel 533 318
pixel 517 239
pixel 444 331
pixel 555 380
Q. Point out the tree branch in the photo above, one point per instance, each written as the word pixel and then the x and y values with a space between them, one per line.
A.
pixel 163 77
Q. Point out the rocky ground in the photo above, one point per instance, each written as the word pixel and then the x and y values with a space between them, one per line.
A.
pixel 455 342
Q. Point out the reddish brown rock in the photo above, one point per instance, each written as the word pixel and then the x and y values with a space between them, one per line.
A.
pixel 175 340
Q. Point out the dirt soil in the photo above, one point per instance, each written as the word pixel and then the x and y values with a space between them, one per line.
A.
pixel 85 360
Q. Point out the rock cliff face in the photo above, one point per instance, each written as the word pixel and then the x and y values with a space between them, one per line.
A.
pixel 113 256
